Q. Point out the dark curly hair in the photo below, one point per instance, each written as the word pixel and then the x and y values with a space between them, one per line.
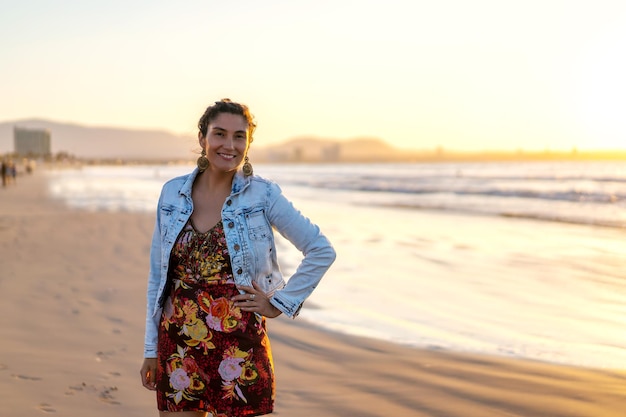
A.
pixel 225 105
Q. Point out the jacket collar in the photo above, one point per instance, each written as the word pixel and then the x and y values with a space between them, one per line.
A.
pixel 240 182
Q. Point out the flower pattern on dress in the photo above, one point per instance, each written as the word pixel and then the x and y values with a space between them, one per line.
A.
pixel 185 377
pixel 222 315
pixel 212 356
pixel 237 370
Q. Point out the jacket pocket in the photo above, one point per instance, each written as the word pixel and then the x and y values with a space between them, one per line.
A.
pixel 165 218
pixel 261 241
pixel 258 226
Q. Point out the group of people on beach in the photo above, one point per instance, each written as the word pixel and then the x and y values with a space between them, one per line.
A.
pixel 214 277
pixel 8 170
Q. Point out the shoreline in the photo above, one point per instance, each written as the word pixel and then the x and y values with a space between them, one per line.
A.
pixel 73 285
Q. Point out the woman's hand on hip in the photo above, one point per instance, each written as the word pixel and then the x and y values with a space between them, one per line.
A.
pixel 254 300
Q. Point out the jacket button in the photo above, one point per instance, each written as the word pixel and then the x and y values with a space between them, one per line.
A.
pixel 237 247
pixel 229 202
pixel 239 271
pixel 231 225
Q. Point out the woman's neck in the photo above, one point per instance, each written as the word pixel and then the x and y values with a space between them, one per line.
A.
pixel 215 182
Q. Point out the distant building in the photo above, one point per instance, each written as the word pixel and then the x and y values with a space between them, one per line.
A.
pixel 331 153
pixel 31 142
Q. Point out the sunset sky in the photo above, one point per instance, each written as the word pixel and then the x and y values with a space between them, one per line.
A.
pixel 461 74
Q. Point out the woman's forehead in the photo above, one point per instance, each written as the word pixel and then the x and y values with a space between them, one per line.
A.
pixel 230 122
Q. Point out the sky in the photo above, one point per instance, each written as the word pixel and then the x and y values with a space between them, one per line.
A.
pixel 466 75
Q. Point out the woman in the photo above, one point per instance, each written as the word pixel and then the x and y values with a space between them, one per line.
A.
pixel 214 277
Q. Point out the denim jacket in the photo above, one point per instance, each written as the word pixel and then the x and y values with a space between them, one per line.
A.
pixel 254 208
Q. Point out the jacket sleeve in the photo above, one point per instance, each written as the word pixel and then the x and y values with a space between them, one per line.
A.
pixel 310 241
pixel 154 277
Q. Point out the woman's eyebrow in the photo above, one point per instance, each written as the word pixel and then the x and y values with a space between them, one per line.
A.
pixel 225 130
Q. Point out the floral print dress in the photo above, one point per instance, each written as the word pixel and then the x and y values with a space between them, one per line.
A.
pixel 211 355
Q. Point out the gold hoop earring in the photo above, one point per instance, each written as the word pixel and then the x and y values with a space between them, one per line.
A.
pixel 247 167
pixel 203 162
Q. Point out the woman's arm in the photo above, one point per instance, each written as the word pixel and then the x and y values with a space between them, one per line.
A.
pixel 310 241
pixel 154 278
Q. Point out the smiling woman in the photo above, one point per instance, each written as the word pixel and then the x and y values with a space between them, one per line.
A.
pixel 214 277
pixel 599 89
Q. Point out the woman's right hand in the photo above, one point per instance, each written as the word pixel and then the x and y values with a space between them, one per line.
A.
pixel 148 373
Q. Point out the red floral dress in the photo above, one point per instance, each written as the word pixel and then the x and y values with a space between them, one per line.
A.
pixel 211 355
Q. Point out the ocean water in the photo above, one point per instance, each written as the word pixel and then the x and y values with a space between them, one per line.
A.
pixel 514 259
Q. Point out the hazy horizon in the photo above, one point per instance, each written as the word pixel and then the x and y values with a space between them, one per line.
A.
pixel 131 143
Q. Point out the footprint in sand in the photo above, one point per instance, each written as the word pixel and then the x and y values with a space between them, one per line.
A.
pixel 104 394
pixel 46 408
pixel 100 355
pixel 26 377
pixel 109 375
pixel 73 388
pixel 114 319
pixel 3 366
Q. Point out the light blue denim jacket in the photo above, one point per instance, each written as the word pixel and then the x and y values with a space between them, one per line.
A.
pixel 254 207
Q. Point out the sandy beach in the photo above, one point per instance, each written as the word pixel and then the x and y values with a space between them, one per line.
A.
pixel 72 313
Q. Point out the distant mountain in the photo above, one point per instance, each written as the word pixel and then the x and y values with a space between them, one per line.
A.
pixel 104 142
pixel 119 143
pixel 310 149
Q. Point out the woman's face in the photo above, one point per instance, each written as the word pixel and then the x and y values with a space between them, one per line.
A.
pixel 226 142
